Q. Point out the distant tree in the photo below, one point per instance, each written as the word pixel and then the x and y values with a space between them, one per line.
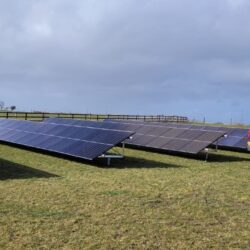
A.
pixel 1 105
pixel 12 108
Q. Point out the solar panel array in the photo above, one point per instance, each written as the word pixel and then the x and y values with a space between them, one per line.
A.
pixel 183 140
pixel 86 142
pixel 236 137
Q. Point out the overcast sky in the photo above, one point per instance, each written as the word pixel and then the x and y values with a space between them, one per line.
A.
pixel 183 57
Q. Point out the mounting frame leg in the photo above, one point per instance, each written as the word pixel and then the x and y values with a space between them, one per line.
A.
pixel 216 148
pixel 123 148
pixel 108 161
pixel 206 157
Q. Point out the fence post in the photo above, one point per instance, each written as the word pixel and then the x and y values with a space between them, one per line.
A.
pixel 7 115
pixel 26 116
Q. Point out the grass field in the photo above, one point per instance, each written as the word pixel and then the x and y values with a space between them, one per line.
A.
pixel 146 201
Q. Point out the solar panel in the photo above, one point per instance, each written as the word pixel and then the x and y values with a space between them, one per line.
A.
pixel 236 137
pixel 185 140
pixel 86 142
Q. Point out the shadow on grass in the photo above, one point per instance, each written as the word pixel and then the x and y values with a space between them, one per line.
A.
pixel 213 156
pixel 11 170
pixel 127 162
pixel 135 162
pixel 216 157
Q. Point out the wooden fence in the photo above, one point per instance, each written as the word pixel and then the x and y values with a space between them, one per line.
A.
pixel 39 116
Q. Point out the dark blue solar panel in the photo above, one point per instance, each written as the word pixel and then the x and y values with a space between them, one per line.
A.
pixel 241 143
pixel 238 132
pixel 228 141
pixel 83 142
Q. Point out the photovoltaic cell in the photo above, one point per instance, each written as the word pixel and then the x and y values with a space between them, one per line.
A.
pixel 194 146
pixel 158 142
pixel 82 142
pixel 175 145
pixel 142 140
pixel 160 131
pixel 174 132
pixel 192 134
pixel 145 130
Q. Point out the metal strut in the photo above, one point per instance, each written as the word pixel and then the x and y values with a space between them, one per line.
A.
pixel 123 148
pixel 108 161
pixel 206 151
pixel 216 148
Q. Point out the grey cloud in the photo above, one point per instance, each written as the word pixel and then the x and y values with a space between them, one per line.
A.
pixel 176 54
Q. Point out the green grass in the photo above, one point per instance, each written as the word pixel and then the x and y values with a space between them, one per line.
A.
pixel 146 201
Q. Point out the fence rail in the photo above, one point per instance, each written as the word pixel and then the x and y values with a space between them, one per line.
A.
pixel 39 116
